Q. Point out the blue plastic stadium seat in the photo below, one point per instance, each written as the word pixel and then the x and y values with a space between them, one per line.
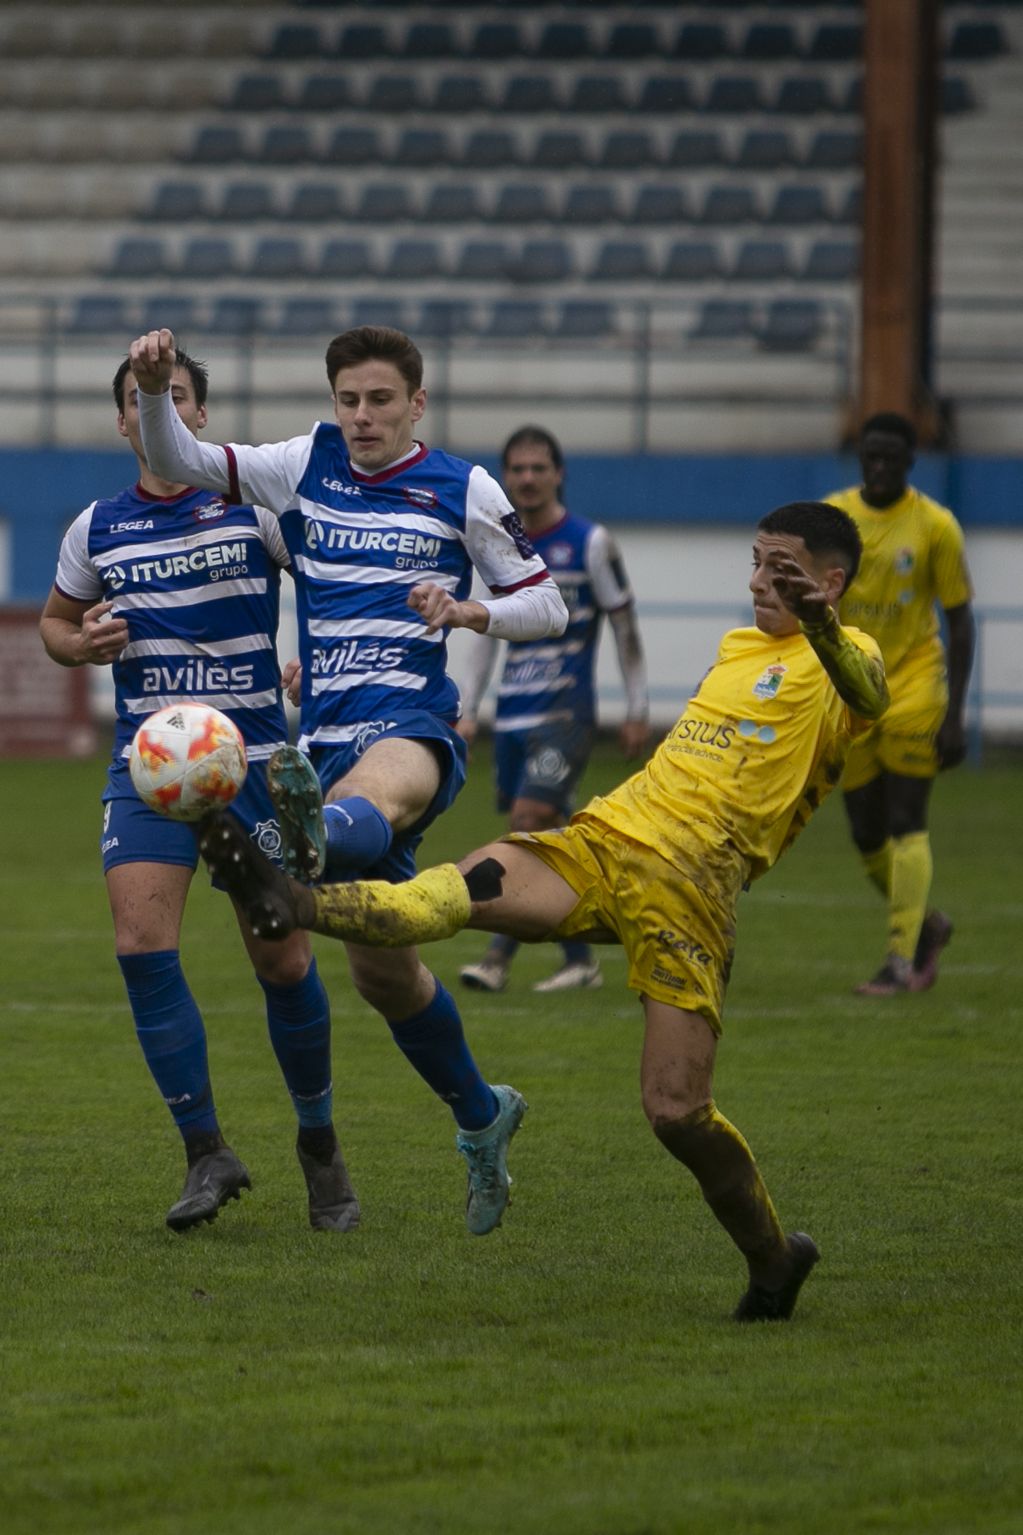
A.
pixel 734 94
pixel 725 203
pixel 976 40
pixel 632 40
pixel 694 149
pixel 701 41
pixel 956 95
pixel 559 149
pixel 836 42
pixel 835 149
pixel 296 40
pixel 803 96
pixel 100 314
pixel 511 318
pixel 522 203
pixel 235 314
pixel 243 201
pixel 307 317
pixel 483 261
pixel 584 319
pixel 277 257
pixel 722 319
pixel 497 40
pixel 179 201
pixel 139 256
pixel 628 149
pixel 257 93
pixel 363 40
pixel 208 256
pixel 421 148
pixel 393 93
pixel 217 145
pixel 286 144
pixel 430 40
pixel 378 311
pixel 343 258
pixel 529 93
pixel 764 149
pixel 768 41
pixel 383 202
pixel 563 40
pixel 665 93
pixel 454 94
pixel 832 261
pixel 850 209
pixel 790 325
pixel 170 311
pixel 542 261
pixel 622 261
pixel 315 202
pixel 590 203
pixel 658 204
pixel 442 317
pixel 798 204
pixel 490 148
pixel 353 146
pixel 324 93
pixel 454 203
pixel 692 261
pixel 413 260
pixel 598 93
pixel 761 261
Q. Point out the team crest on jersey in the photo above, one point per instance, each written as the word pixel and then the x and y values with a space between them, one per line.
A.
pixel 420 496
pixel 115 578
pixel 904 562
pixel 267 837
pixel 558 554
pixel 367 734
pixel 211 512
pixel 769 681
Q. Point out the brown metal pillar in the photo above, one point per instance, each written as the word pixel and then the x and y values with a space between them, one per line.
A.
pixel 900 99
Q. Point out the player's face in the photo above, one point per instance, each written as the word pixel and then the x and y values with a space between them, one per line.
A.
pixel 532 480
pixel 183 395
pixel 375 412
pixel 770 614
pixel 885 460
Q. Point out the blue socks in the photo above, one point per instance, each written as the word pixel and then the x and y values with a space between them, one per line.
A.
pixel 576 953
pixel 170 1030
pixel 433 1043
pixel 298 1018
pixel 358 836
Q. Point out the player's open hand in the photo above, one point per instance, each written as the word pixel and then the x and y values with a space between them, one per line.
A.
pixel 152 360
pixel 102 637
pixel 798 590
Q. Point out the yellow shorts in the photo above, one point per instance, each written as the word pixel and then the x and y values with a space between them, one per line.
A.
pixel 678 941
pixel 903 740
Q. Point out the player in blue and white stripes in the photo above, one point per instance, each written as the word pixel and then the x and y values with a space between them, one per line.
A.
pixel 384 535
pixel 179 593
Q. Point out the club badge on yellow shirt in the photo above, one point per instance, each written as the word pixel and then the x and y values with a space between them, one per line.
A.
pixel 769 682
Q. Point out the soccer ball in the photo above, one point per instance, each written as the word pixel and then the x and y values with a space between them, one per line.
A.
pixel 187 760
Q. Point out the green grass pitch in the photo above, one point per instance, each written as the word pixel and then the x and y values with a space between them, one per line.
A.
pixel 576 1373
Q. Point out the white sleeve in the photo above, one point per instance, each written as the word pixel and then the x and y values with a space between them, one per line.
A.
pixel 77 576
pixel 273 538
pixel 528 605
pixel 264 476
pixel 479 652
pixel 606 570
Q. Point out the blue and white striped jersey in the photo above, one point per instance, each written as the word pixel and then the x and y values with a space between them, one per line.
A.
pixel 198 582
pixel 359 542
pixel 553 680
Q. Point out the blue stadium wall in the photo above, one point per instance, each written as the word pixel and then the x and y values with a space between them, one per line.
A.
pixel 42 491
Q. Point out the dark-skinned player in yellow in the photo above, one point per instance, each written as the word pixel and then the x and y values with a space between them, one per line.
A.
pixel 658 865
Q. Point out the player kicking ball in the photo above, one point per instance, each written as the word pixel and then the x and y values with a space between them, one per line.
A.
pixel 658 864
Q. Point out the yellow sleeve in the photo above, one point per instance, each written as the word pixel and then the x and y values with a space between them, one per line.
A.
pixel 857 673
pixel 952 584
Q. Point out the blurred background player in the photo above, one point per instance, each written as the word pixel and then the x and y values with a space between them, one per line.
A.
pixel 179 593
pixel 913 557
pixel 545 716
pixel 384 534
pixel 658 864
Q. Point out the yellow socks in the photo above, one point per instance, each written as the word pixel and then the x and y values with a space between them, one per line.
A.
pixel 434 905
pixel 878 866
pixel 911 872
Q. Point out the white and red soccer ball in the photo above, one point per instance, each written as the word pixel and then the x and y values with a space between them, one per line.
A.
pixel 187 760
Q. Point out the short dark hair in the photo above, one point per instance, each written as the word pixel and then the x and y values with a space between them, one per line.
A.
pixel 367 342
pixel 891 421
pixel 538 436
pixel 824 529
pixel 196 371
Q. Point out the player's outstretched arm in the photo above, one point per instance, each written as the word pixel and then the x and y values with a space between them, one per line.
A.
pixel 858 677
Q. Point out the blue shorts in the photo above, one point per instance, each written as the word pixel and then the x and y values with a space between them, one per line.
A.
pixel 132 833
pixel 333 762
pixel 544 764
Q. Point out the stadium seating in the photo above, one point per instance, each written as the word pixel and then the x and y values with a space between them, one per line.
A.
pixel 235 314
pixel 341 259
pixel 790 325
pixel 692 261
pixel 315 202
pixel 277 257
pixel 413 261
pixel 99 314
pixel 723 320
pixel 584 319
pixel 590 202
pixel 244 201
pixel 307 317
pixel 512 318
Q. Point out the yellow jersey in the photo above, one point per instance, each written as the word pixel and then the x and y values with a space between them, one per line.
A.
pixel 913 556
pixel 761 744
